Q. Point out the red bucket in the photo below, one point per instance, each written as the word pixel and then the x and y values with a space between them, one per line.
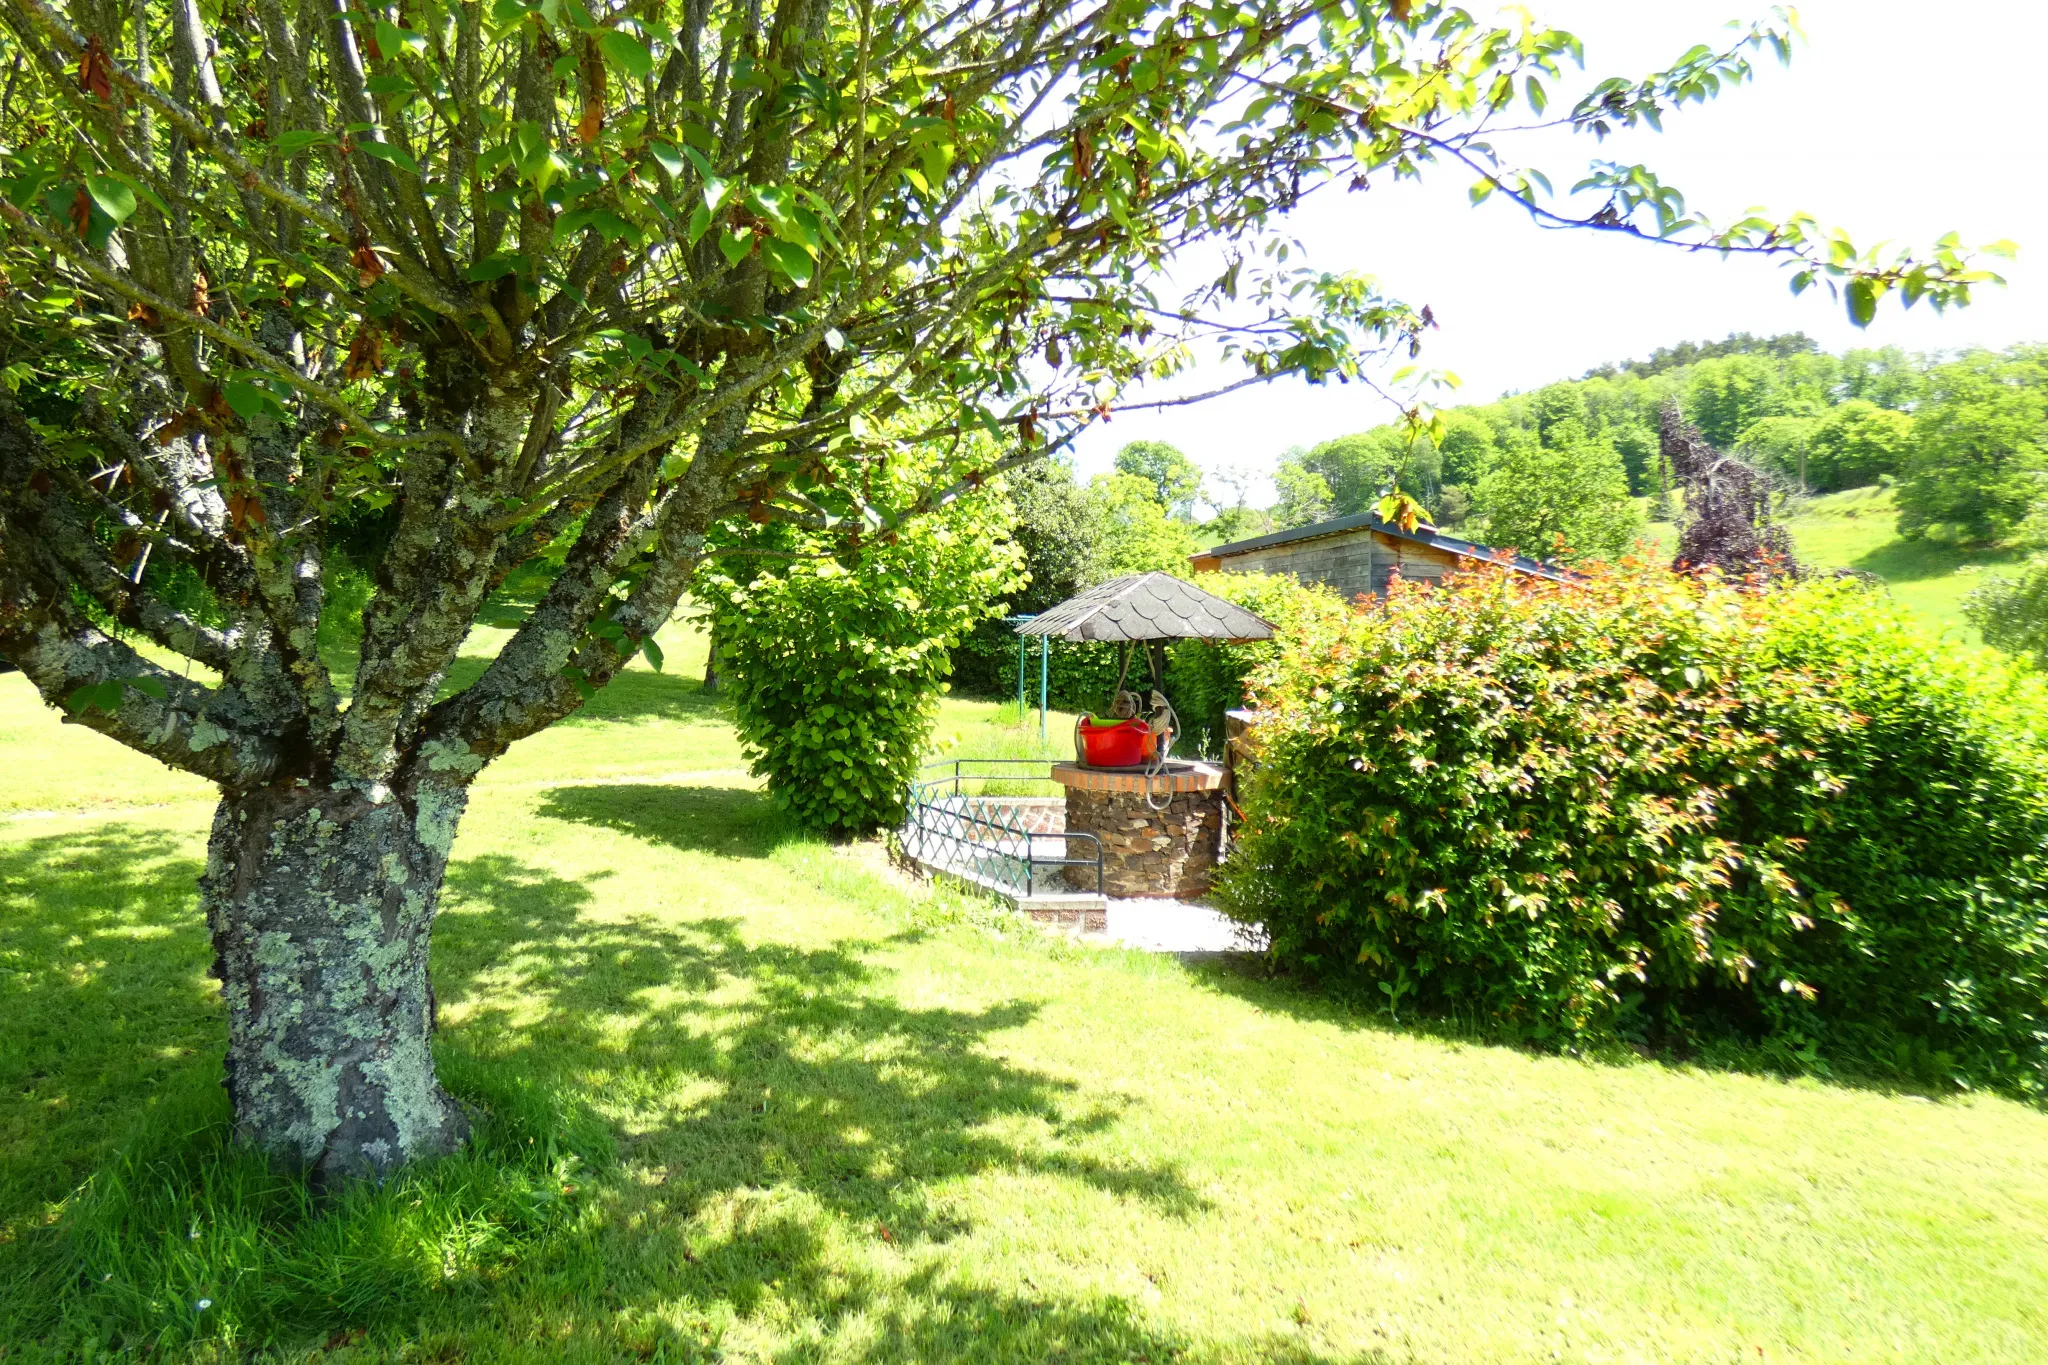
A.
pixel 1114 744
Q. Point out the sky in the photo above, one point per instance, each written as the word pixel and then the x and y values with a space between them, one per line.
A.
pixel 1898 121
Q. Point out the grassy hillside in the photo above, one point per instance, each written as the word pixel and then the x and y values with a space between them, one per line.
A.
pixel 857 1121
pixel 1857 529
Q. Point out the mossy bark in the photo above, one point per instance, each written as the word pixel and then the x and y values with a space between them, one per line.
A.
pixel 320 903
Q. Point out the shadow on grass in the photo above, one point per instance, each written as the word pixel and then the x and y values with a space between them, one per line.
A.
pixel 104 1001
pixel 729 822
pixel 797 1063
pixel 789 1132
pixel 1911 561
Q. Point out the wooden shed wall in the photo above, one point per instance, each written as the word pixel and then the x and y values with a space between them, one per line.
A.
pixel 1351 562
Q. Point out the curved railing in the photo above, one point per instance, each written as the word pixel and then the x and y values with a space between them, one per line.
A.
pixel 980 837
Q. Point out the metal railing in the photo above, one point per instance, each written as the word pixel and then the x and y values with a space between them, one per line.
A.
pixel 978 836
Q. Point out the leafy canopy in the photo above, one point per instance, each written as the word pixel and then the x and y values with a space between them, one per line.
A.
pixel 1980 451
pixel 1569 498
pixel 517 282
pixel 1175 479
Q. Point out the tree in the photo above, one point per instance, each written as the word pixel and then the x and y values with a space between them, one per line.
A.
pixel 1061 530
pixel 1886 376
pixel 1781 445
pixel 1304 494
pixel 1727 519
pixel 1980 447
pixel 1236 519
pixel 1574 492
pixel 1138 535
pixel 2011 610
pixel 1637 446
pixel 1687 353
pixel 1175 480
pixel 1856 444
pixel 1559 413
pixel 1465 449
pixel 1728 394
pixel 834 661
pixel 542 286
pixel 1361 469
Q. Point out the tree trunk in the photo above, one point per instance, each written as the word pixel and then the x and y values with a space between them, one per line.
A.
pixel 320 903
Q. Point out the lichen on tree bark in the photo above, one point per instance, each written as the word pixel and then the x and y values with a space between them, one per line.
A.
pixel 320 904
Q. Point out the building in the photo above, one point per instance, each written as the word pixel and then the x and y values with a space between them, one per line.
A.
pixel 1359 554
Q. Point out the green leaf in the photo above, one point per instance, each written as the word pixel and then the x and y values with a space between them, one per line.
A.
pixel 251 400
pixel 495 266
pixel 790 259
pixel 99 696
pixel 149 687
pixel 1862 298
pixel 627 53
pixel 115 199
pixel 671 160
pixel 384 151
pixel 1481 191
pixel 653 652
pixel 734 247
pixel 716 191
pixel 299 139
pixel 392 40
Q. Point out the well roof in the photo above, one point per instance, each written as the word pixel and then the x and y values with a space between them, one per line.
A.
pixel 1148 606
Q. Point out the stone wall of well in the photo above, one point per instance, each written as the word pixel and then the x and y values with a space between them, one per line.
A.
pixel 1146 852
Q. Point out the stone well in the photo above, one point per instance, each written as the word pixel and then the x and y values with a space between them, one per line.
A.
pixel 1146 852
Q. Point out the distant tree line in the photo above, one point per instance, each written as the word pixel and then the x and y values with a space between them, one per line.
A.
pixel 1961 436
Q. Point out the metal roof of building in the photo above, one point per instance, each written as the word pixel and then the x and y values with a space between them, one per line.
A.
pixel 1149 606
pixel 1422 535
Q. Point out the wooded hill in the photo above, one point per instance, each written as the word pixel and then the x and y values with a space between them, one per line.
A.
pixel 1962 435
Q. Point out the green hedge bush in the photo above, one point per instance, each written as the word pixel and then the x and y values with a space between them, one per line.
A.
pixel 834 666
pixel 1654 806
pixel 1079 676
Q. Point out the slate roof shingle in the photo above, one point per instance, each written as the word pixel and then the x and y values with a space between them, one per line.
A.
pixel 1148 606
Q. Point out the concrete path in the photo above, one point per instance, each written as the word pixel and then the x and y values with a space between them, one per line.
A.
pixel 1164 926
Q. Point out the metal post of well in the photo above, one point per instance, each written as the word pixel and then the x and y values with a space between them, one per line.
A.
pixel 1044 671
pixel 1023 697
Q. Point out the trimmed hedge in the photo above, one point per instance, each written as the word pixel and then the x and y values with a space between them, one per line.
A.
pixel 834 666
pixel 1079 677
pixel 1656 806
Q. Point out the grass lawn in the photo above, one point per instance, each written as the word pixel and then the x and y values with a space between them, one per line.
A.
pixel 844 1118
